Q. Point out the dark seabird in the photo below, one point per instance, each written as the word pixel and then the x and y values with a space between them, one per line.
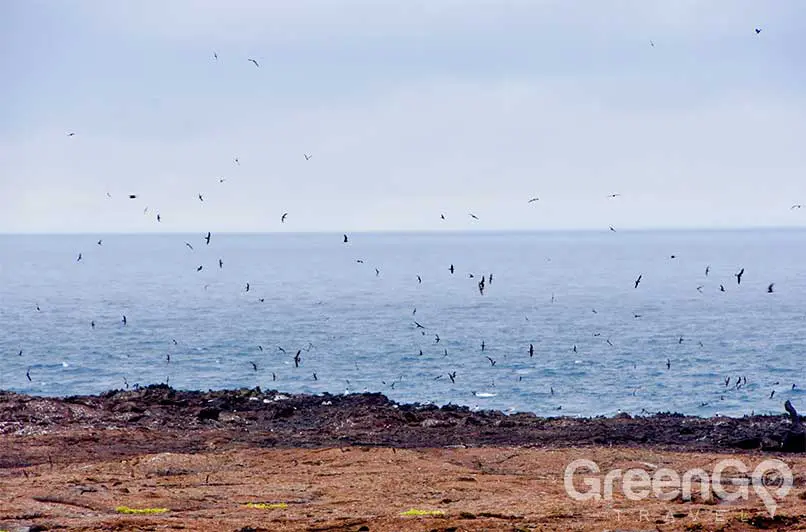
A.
pixel 796 206
pixel 436 338
pixel 92 324
pixel 769 288
pixel 442 216
pixel 71 134
pixel 359 261
pixel 739 276
pixel 200 268
pixel 452 376
pixel 419 280
pixel 668 363
pixel 492 362
pixel 491 279
pixel 345 239
pixel 483 345
pixel 307 157
pixel 758 30
pixel 28 374
pixel 220 263
pixel 771 393
pixel 282 218
pixel 707 270
pixel 451 268
pixel 201 198
pixel 721 288
pixel 418 325
pixel 638 281
pixel 124 320
pixel 207 238
pixel 377 272
pixel 159 218
pixel 614 195
pixel 132 196
pixel 612 228
pixel 100 242
pixel 237 161
pixel 532 200
pixel 297 358
pixel 255 62
pixel 254 366
pixel 247 287
pixel 188 245
pixel 473 216
pixel 215 56
pixel 79 257
pixel 317 378
pixel 531 350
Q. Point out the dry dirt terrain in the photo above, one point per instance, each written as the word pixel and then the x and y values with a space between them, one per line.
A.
pixel 249 460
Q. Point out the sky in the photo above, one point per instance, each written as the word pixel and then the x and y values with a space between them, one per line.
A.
pixel 409 109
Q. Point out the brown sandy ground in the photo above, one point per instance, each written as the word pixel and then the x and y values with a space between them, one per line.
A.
pixel 363 488
pixel 355 463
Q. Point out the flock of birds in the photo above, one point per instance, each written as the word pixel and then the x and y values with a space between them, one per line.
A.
pixel 482 283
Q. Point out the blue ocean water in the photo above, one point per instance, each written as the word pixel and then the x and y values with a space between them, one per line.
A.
pixel 356 330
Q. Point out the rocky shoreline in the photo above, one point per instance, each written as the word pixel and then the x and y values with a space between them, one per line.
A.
pixel 158 418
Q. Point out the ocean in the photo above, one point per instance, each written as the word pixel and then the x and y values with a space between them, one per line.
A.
pixel 601 345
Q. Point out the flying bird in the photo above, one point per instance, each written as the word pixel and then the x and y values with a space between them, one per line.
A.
pixel 614 195
pixel 739 276
pixel 492 362
pixel 215 56
pixel 442 216
pixel 200 268
pixel 770 288
pixel 207 238
pixel 652 44
pixel 201 198
pixel 132 196
pixel 282 218
pixel 451 269
pixel 79 257
pixel 612 228
pixel 71 134
pixel 532 200
pixel 254 366
pixel 796 206
pixel 707 270
pixel 345 239
pixel 255 62
pixel 188 244
pixel 307 157
pixel 473 216
pixel 247 287
pixel 238 162
pixel 220 263
pixel 419 280
pixel 124 320
pixel 159 218
pixel 638 281
pixel 297 358
pixel 758 30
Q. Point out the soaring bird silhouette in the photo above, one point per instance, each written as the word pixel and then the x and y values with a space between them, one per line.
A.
pixel 255 62
pixel 531 350
pixel 707 270
pixel 739 276
pixel 758 30
pixel 614 195
pixel 200 268
pixel 220 263
pixel 473 216
pixel 201 198
pixel 71 134
pixel 307 157
pixel 532 200
pixel 207 238
pixel 79 258
pixel 189 245
pixel 638 281
pixel 796 206
pixel 492 362
pixel 451 269
pixel 215 56
pixel 297 358
pixel 159 218
pixel 442 216
pixel 345 239
pixel 283 217
pixel 770 288
pixel 247 287
pixel 132 196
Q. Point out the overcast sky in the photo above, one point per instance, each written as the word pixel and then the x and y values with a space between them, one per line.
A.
pixel 409 109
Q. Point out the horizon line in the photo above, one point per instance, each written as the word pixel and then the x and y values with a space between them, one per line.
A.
pixel 422 231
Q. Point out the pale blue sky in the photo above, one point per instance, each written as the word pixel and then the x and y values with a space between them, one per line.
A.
pixel 409 108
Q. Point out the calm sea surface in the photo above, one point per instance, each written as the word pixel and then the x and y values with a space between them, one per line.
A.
pixel 568 294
